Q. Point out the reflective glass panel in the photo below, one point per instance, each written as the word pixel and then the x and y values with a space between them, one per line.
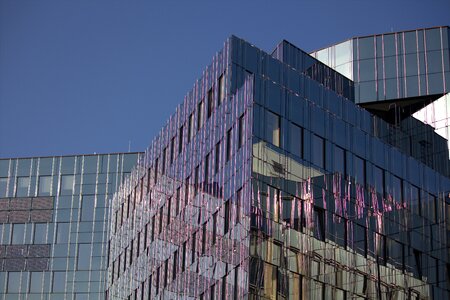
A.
pixel 3 185
pixel 84 253
pixel 36 282
pixel 67 184
pixel 295 140
pixel 18 233
pixel 45 183
pixel 273 128
pixel 14 282
pixel 318 151
pixel 22 186
pixel 87 208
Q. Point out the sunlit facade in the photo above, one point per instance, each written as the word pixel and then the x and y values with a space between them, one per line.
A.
pixel 268 182
pixel 54 214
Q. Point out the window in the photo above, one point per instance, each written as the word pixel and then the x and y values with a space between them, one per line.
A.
pixel 228 153
pixel 194 241
pixel 177 200
pixel 166 271
pixel 241 132
pixel 40 233
pixel 359 170
pixel 212 292
pixel 190 128
pixel 221 89
pixel 125 253
pixel 45 183
pixel 145 236
pixel 296 140
pixel 3 186
pixel 66 187
pixel 59 281
pixel 180 140
pixel 183 258
pixel 62 234
pixel 214 228
pixel 396 189
pixel 149 294
pixel 84 256
pixel 138 245
pixel 87 207
pixel 318 151
pixel 227 217
pixel 319 223
pixel 169 207
pixel 149 172
pixel 172 149
pixel 141 194
pixel 18 234
pixel 163 167
pixel 157 281
pixel 204 238
pixel 196 180
pixel 156 171
pixel 378 180
pixel 122 209
pixel 186 192
pixel 273 128
pixel 131 254
pixel 224 286
pixel 153 228
pixel 200 109
pixel 113 272
pixel 210 102
pixel 416 201
pixel 339 160
pixel 236 283
pixel 36 282
pixel 238 205
pixel 217 157
pixel 207 168
pixel 128 206
pixel 142 290
pixel 175 265
pixel 22 186
pixel 161 215
pixel 360 239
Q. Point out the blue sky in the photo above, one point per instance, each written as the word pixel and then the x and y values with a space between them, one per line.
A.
pixel 90 76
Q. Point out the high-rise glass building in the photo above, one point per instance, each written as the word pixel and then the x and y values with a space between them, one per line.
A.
pixel 54 214
pixel 280 178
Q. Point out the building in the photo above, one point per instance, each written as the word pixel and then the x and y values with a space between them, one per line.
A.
pixel 54 214
pixel 280 178
pixel 398 75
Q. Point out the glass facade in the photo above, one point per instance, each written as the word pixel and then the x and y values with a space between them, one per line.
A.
pixel 270 181
pixel 392 66
pixel 409 72
pixel 54 214
pixel 284 189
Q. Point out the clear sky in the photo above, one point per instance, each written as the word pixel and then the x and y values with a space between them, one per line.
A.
pixel 90 76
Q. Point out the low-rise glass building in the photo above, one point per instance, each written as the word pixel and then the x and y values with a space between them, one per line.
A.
pixel 54 214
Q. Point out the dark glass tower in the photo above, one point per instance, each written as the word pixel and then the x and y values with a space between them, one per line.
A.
pixel 269 182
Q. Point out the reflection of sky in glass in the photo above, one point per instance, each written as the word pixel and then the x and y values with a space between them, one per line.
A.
pixel 436 114
pixel 338 57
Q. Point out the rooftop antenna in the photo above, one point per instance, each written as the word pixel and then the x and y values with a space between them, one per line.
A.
pixel 129 146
